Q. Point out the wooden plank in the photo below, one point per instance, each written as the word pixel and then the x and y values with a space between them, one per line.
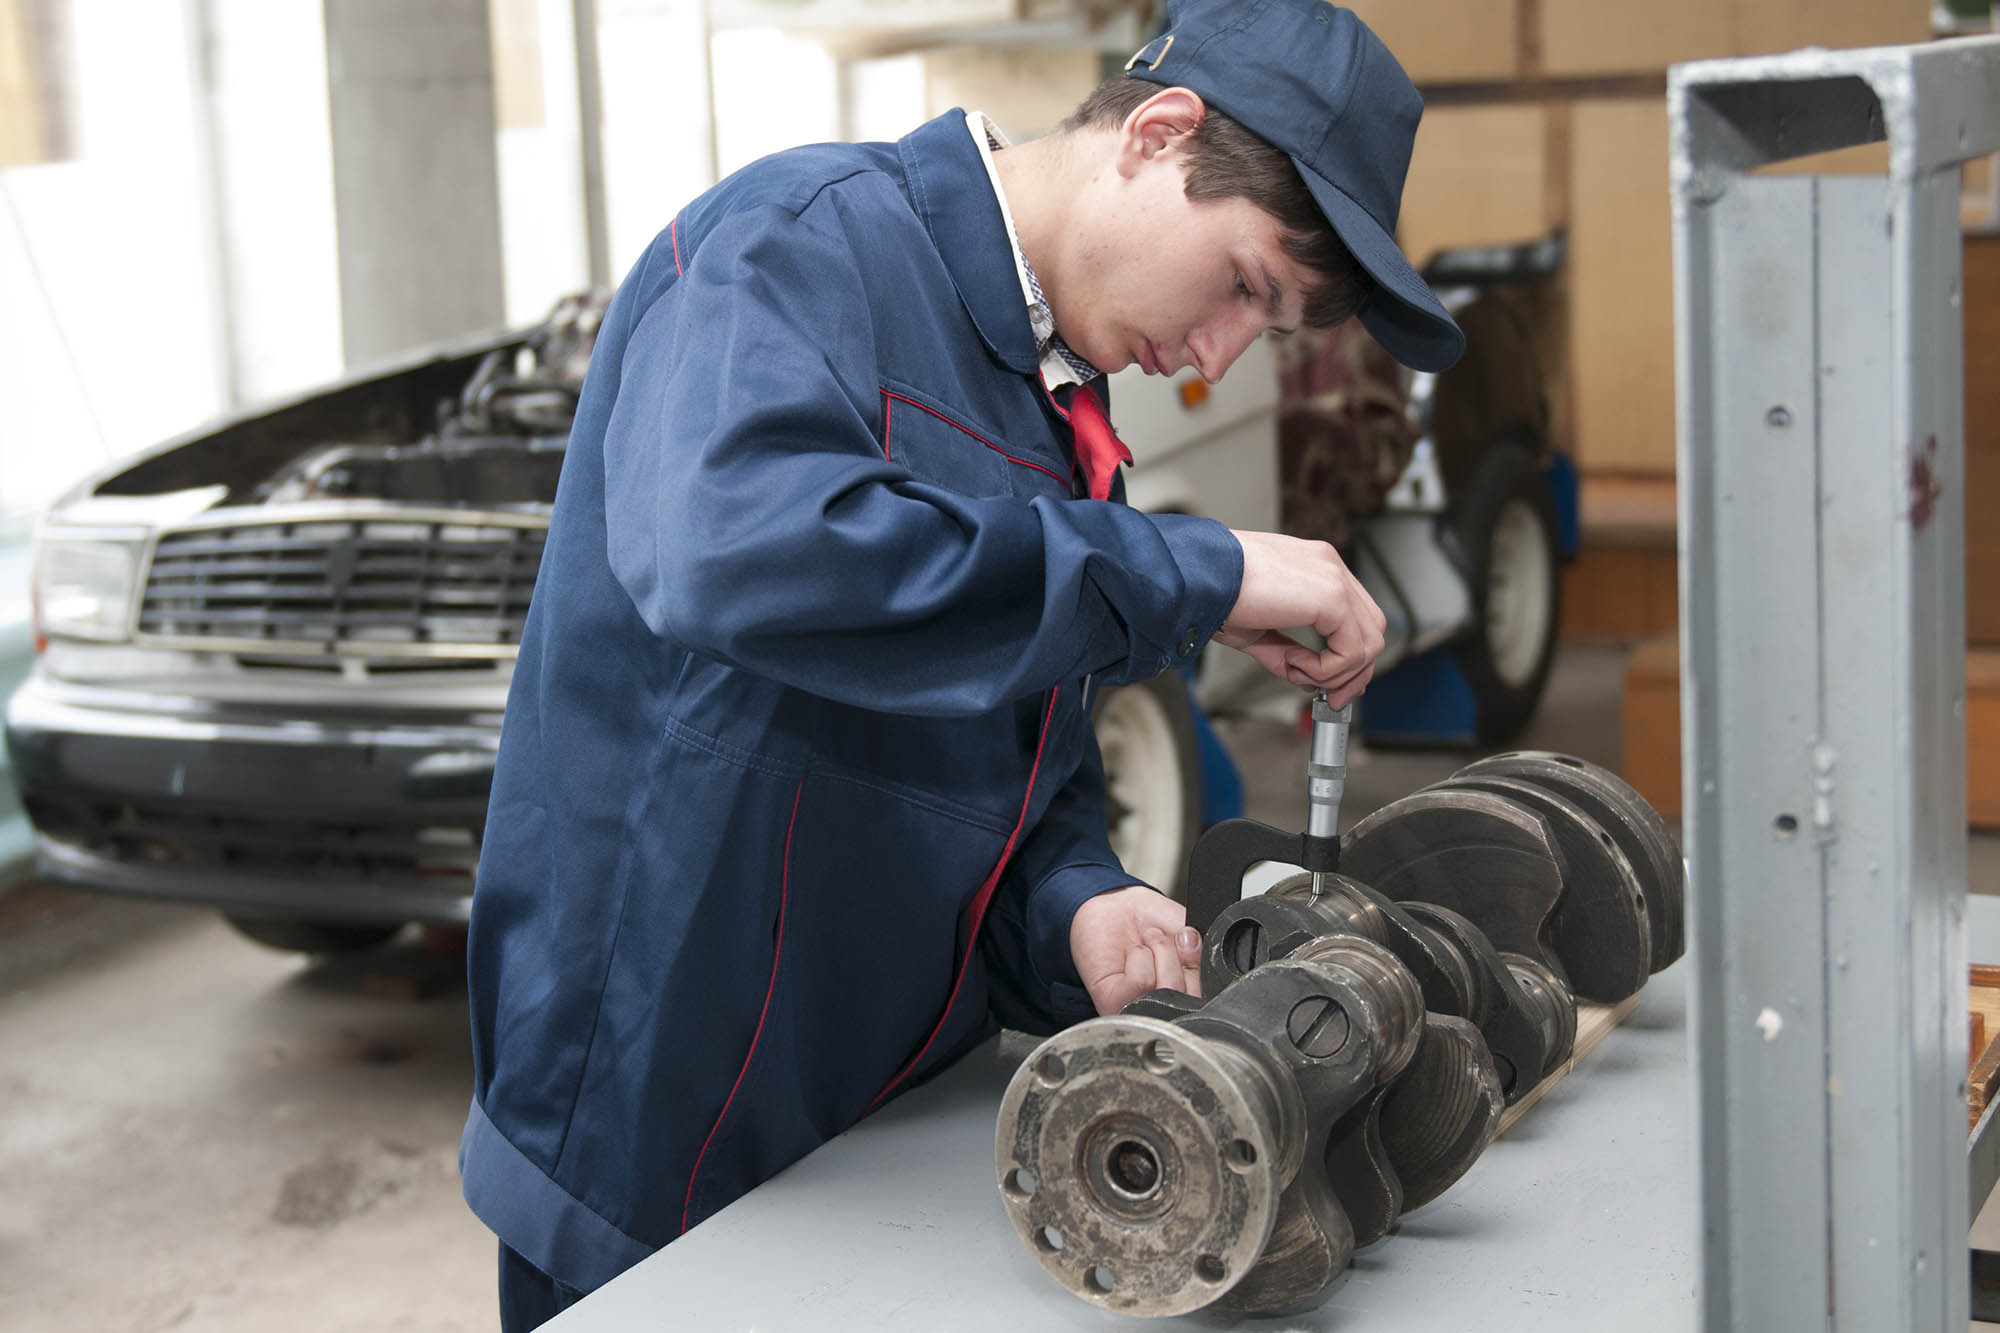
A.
pixel 1983 1054
pixel 1620 592
pixel 1593 1024
pixel 1982 736
pixel 1592 37
pixel 1982 437
pixel 1448 41
pixel 1621 284
pixel 1650 723
pixel 1624 583
pixel 1478 176
pixel 1627 510
pixel 1763 27
pixel 1651 729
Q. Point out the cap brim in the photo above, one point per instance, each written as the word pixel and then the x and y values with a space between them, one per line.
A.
pixel 1402 312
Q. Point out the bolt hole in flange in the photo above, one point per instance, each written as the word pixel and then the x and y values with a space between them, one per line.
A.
pixel 1050 1070
pixel 1210 1269
pixel 1101 1280
pixel 1240 1155
pixel 1048 1240
pixel 1160 1057
pixel 1020 1183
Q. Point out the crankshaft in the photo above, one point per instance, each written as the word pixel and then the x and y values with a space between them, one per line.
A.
pixel 1366 1023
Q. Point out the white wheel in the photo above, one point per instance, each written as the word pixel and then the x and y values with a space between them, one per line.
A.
pixel 1152 778
pixel 1505 523
pixel 1520 594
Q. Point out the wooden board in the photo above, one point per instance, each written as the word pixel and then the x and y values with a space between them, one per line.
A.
pixel 1624 583
pixel 1982 437
pixel 1593 1024
pixel 1479 175
pixel 1448 41
pixel 1651 725
pixel 1762 27
pixel 1983 1052
pixel 1621 282
pixel 1620 592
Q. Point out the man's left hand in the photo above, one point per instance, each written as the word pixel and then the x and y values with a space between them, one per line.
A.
pixel 1131 941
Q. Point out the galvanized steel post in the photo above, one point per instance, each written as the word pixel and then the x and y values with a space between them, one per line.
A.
pixel 1821 470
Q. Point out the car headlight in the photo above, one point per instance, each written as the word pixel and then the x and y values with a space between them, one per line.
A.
pixel 85 583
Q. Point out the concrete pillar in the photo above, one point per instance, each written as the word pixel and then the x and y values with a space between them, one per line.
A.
pixel 415 183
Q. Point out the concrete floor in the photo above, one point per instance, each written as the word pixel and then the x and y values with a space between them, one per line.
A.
pixel 199 1133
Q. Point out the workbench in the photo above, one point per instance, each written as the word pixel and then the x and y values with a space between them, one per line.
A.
pixel 1582 1216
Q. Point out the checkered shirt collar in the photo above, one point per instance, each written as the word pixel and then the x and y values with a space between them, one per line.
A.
pixel 1060 366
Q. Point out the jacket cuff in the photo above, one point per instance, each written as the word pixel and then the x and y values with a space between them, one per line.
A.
pixel 1052 908
pixel 1210 560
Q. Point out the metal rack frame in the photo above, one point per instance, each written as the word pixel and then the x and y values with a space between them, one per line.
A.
pixel 1821 475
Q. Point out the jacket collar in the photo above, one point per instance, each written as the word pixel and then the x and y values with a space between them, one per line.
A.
pixel 951 192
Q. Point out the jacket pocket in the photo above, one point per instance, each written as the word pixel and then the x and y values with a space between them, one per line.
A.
pixel 943 446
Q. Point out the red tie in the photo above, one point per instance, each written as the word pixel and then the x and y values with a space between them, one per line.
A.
pixel 1098 448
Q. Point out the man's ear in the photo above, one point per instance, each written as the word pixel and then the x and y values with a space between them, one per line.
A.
pixel 1158 126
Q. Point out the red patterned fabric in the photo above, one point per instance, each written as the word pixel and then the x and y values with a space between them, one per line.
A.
pixel 1344 430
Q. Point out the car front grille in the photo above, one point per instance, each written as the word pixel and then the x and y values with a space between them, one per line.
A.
pixel 384 586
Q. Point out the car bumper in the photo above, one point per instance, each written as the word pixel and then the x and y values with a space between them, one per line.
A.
pixel 363 816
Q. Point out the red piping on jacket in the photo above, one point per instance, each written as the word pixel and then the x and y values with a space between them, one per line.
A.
pixel 978 911
pixel 770 988
pixel 887 403
pixel 674 235
pixel 949 422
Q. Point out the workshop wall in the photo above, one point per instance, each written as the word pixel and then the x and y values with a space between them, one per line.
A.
pixel 1548 113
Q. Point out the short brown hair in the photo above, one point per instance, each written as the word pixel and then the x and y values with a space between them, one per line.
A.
pixel 1227 161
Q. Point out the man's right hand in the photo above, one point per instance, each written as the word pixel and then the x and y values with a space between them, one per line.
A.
pixel 1290 583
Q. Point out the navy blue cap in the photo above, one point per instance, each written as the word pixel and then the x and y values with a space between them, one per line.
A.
pixel 1314 81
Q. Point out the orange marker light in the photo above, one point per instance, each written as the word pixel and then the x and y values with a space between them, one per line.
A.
pixel 1194 392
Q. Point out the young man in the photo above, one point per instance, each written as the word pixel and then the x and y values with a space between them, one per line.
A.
pixel 797 797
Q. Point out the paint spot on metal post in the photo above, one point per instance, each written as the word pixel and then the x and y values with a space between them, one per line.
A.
pixel 1924 489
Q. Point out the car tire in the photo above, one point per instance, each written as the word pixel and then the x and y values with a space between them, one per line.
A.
pixel 1152 777
pixel 299 936
pixel 1505 524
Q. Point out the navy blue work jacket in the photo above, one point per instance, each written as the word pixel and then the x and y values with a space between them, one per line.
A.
pixel 796 793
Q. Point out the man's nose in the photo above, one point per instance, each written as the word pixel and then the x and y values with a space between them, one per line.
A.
pixel 1216 345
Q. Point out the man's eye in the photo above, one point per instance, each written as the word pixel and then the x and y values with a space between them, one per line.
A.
pixel 1242 287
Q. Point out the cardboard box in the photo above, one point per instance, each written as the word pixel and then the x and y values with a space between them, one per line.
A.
pixel 1481 175
pixel 1592 37
pixel 1763 27
pixel 1449 41
pixel 1621 276
pixel 1582 38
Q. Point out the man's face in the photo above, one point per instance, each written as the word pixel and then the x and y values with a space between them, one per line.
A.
pixel 1165 283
